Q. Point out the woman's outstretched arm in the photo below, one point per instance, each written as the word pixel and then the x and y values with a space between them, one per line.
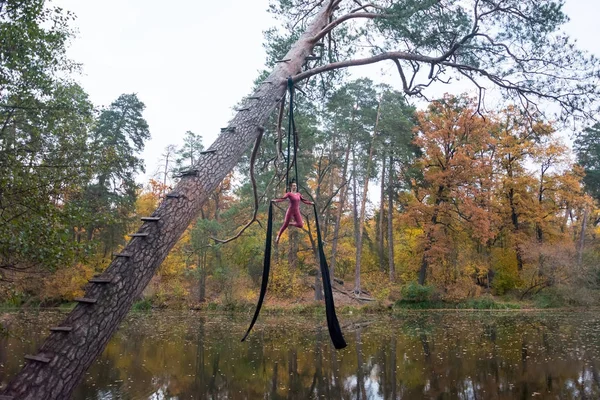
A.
pixel 280 199
pixel 302 199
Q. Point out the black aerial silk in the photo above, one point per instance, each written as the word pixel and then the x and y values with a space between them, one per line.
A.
pixel 335 332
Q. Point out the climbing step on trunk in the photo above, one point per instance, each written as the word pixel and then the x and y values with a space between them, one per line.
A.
pixel 61 329
pixel 144 234
pixel 86 300
pixel 41 359
pixel 100 280
pixel 150 219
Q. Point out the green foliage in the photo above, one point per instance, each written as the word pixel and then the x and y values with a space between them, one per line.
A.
pixel 587 148
pixel 109 198
pixel 189 153
pixel 549 298
pixel 142 305
pixel 415 293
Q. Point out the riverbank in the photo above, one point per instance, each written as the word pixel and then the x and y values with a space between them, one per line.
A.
pixel 281 307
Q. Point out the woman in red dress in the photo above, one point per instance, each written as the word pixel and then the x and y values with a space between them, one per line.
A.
pixel 293 211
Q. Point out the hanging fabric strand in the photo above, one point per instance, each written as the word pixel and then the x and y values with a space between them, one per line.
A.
pixel 266 270
pixel 291 138
pixel 333 325
pixel 335 332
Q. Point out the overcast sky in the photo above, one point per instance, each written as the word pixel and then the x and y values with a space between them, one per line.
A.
pixel 190 61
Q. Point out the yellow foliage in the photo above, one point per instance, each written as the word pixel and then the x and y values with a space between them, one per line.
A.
pixel 406 253
pixel 378 284
pixel 66 283
pixel 285 283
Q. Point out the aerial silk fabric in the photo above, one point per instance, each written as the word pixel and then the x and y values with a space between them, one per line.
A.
pixel 335 332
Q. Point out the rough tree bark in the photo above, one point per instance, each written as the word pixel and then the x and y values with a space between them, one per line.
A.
pixel 71 353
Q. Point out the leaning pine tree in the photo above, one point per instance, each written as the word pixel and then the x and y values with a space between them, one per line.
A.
pixel 514 45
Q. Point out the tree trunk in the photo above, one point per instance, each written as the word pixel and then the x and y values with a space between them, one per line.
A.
pixel 318 277
pixel 71 353
pixel 340 211
pixel 330 188
pixel 380 228
pixel 538 225
pixel 202 281
pixel 429 237
pixel 582 237
pixel 515 221
pixel 363 204
pixel 293 248
pixel 390 219
pixel 356 224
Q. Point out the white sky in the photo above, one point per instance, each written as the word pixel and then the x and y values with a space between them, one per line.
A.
pixel 190 61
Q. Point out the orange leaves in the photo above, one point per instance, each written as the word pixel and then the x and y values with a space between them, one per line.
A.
pixel 457 166
pixel 499 180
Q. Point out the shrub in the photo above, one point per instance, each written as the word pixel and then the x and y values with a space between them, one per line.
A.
pixel 415 293
pixel 142 305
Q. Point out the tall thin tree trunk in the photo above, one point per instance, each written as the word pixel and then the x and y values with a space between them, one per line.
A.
pixel 69 354
pixel 538 225
pixel 202 281
pixel 390 220
pixel 293 248
pixel 356 223
pixel 380 228
pixel 315 249
pixel 164 186
pixel 340 211
pixel 363 205
pixel 582 237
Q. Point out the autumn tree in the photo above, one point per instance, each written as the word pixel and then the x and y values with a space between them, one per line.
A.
pixel 457 179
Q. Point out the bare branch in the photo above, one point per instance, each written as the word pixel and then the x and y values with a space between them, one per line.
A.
pixel 329 27
pixel 364 7
pixel 261 130
pixel 400 55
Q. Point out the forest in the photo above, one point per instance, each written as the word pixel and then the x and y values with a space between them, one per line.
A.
pixel 440 202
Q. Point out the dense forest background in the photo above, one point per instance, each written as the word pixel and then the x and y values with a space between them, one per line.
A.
pixel 441 202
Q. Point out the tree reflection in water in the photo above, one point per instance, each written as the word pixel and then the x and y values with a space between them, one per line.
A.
pixel 429 355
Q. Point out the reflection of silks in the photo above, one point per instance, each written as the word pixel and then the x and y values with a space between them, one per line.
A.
pixel 335 332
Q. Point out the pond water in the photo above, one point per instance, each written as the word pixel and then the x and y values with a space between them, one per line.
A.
pixel 415 355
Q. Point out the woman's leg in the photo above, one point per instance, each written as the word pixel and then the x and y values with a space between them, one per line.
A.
pixel 286 222
pixel 298 219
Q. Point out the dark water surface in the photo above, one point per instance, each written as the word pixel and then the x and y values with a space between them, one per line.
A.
pixel 420 355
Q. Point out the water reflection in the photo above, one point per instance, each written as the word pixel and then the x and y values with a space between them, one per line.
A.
pixel 441 355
